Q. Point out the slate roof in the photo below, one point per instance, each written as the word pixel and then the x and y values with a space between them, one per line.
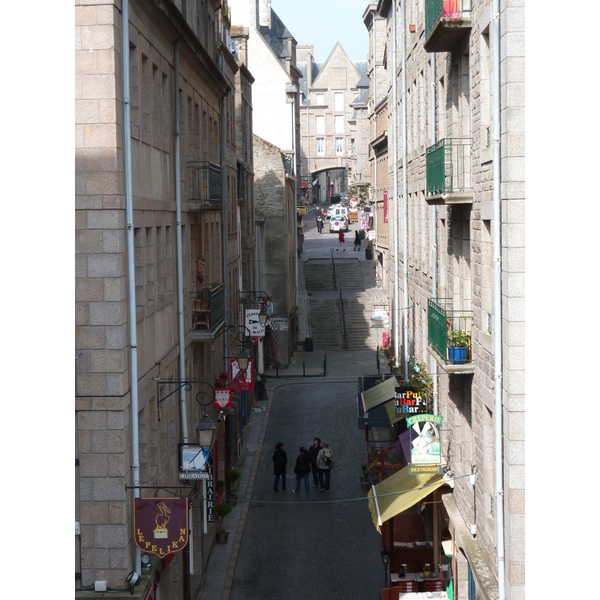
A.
pixel 275 35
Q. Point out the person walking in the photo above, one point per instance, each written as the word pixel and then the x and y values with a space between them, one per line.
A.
pixel 357 240
pixel 313 451
pixel 279 466
pixel 341 238
pixel 320 223
pixel 302 470
pixel 324 466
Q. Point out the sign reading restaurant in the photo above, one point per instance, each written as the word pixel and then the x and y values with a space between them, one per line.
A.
pixel 409 400
pixel 161 525
pixel 425 447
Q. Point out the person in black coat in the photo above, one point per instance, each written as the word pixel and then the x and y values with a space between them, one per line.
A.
pixel 302 470
pixel 279 466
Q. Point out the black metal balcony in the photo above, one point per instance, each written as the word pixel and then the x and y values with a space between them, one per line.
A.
pixel 208 311
pixel 204 186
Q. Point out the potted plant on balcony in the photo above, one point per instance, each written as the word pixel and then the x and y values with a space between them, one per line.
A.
pixel 222 509
pixel 458 346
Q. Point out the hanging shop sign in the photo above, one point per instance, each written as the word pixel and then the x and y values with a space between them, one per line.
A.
pixel 409 400
pixel 241 382
pixel 425 447
pixel 222 399
pixel 161 525
pixel 280 323
pixel 192 461
pixel 253 322
pixel 210 492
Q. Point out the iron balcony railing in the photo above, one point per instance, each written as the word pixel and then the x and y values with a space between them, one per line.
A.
pixel 204 183
pixel 447 9
pixel 449 331
pixel 449 166
pixel 208 308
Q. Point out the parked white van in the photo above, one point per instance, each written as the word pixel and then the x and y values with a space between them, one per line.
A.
pixel 338 212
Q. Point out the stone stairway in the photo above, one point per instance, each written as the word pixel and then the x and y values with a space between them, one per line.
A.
pixel 324 307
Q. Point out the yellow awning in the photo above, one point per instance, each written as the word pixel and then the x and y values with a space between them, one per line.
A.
pixel 394 416
pixel 399 492
pixel 378 394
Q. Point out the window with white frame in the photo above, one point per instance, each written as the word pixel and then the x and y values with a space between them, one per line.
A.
pixel 320 98
pixel 338 98
pixel 320 124
pixel 339 146
pixel 339 123
pixel 321 146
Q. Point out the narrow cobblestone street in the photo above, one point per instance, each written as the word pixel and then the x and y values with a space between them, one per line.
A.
pixel 297 546
pixel 320 545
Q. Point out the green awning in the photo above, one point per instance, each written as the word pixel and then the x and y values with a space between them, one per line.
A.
pixel 399 492
pixel 378 394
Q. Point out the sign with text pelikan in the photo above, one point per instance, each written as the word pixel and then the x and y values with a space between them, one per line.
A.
pixel 161 525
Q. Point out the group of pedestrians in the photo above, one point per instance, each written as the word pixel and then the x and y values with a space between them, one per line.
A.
pixel 316 461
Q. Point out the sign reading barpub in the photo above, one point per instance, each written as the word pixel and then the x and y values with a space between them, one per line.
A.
pixel 161 525
pixel 409 400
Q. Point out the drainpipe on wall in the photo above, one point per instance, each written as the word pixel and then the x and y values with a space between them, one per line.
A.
pixel 404 192
pixel 395 169
pixel 498 437
pixel 310 179
pixel 434 371
pixel 294 98
pixel 180 311
pixel 135 449
pixel 374 183
pixel 224 210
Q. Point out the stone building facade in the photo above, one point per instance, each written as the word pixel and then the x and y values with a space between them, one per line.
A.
pixel 177 65
pixel 275 204
pixel 334 122
pixel 449 223
pixel 377 107
pixel 271 56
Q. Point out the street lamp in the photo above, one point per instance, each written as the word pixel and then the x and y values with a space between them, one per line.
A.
pixel 243 359
pixel 263 300
pixel 205 429
pixel 385 558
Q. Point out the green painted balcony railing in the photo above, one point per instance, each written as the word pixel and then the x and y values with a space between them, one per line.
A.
pixel 449 166
pixel 449 331
pixel 204 183
pixel 447 9
pixel 208 308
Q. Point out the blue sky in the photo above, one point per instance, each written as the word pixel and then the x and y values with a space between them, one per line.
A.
pixel 322 23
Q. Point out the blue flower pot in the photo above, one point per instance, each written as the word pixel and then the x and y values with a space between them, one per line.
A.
pixel 457 355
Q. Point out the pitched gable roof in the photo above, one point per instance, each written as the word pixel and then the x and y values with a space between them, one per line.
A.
pixel 337 48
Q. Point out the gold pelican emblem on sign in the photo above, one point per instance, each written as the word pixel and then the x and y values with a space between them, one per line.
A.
pixel 161 520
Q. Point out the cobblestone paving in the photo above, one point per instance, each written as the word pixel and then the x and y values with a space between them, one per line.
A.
pixel 320 545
